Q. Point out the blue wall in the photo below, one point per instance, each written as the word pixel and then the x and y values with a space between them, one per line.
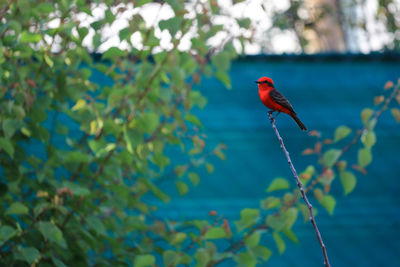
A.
pixel 326 92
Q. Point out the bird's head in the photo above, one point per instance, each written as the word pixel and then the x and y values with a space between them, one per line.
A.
pixel 265 82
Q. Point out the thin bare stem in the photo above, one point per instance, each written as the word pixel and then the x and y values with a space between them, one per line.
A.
pixel 303 194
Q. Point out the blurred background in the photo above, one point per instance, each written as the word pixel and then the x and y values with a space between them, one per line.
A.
pixel 274 27
pixel 326 91
pixel 352 51
pixel 336 61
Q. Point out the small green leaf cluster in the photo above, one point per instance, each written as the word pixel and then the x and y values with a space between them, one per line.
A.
pixel 331 159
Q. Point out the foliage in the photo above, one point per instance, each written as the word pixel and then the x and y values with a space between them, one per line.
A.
pixel 80 196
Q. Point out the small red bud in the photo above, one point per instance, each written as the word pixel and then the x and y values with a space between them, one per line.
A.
pixel 212 213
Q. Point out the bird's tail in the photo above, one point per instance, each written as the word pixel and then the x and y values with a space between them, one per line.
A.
pixel 301 125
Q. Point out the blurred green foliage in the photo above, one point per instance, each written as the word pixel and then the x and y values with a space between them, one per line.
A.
pixel 85 203
pixel 80 202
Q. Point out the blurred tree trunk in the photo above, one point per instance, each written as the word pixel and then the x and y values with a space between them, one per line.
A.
pixel 327 30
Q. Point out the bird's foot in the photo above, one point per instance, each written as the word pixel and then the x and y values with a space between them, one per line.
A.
pixel 276 115
pixel 270 113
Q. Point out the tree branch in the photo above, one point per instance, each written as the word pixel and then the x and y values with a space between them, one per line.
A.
pixel 300 185
pixel 375 117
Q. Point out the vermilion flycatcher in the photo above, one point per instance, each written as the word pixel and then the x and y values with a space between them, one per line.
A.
pixel 274 100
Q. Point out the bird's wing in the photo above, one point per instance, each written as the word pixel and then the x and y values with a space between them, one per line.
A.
pixel 281 100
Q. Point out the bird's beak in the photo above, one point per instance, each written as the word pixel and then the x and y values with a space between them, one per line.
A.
pixel 256 81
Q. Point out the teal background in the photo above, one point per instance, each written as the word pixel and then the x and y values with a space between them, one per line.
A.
pixel 326 92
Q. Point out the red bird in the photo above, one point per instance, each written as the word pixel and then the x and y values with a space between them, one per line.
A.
pixel 274 100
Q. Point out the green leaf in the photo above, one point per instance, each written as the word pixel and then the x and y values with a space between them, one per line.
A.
pixel 209 167
pixel 48 61
pixel 45 8
pixel 306 175
pixel 328 202
pixel 215 233
pixel 132 139
pixel 27 37
pixel 290 235
pixel 170 258
pixel 364 157
pixel 17 208
pixel 19 112
pixel 182 187
pixel 193 119
pixel 6 233
pixel 177 76
pixel 28 254
pixel 222 61
pixel 82 31
pixel 196 99
pixel 10 126
pixel 144 260
pixel 330 157
pixel 280 243
pixel 261 252
pixel 368 138
pixel 221 155
pixel 96 225
pixel 270 203
pixel 305 211
pixel 246 259
pixel 39 208
pixel 244 23
pixel 366 115
pixel 224 78
pixel 289 216
pixel 38 115
pixel 348 181
pixel 79 105
pixel 141 2
pixel 155 190
pixel 172 25
pixel 57 262
pixel 253 240
pixel 112 53
pixel 248 217
pixel 278 184
pixel 285 219
pixel 125 33
pixel 52 233
pixel 396 114
pixel 341 132
pixel 76 189
pixel 149 122
pixel 109 16
pixel 77 157
pixel 202 257
pixel 194 178
pixel 178 238
pixel 7 146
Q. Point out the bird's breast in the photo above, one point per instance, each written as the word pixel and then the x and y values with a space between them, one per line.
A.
pixel 269 102
pixel 265 98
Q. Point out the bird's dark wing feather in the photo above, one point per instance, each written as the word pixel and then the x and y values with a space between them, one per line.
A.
pixel 280 99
